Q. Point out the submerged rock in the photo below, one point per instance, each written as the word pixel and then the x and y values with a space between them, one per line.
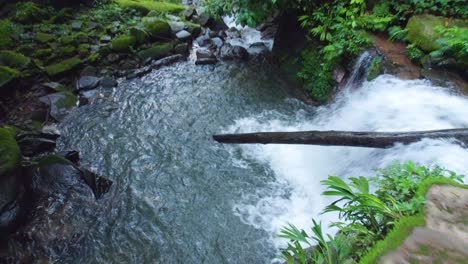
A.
pixel 108 82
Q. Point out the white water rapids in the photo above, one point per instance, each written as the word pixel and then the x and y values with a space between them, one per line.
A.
pixel 384 104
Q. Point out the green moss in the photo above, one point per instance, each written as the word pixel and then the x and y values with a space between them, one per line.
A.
pixel 43 53
pixel 123 43
pixel 422 30
pixel 156 27
pixel 63 66
pixel 68 101
pixel 68 40
pixel 7 74
pixel 9 150
pixel 29 12
pixel 43 37
pixel 8 31
pixel 50 160
pixel 146 6
pixel 140 35
pixel 13 59
pixel 67 51
pixel 393 239
pixel 374 68
pixel 156 52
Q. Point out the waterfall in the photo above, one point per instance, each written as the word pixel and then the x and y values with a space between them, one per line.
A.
pixel 384 104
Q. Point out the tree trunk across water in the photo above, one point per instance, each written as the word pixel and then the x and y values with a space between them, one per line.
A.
pixel 342 138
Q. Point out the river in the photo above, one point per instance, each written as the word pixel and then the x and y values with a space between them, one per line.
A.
pixel 179 197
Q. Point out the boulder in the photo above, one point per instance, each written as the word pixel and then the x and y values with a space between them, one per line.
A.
pixel 158 51
pixel 87 83
pixel 176 26
pixel 157 28
pixel 139 34
pixel 205 57
pixel 139 73
pixel 258 48
pixel 123 43
pixel 13 59
pixel 229 52
pixel 181 49
pixel 204 41
pixel 108 82
pixel 218 42
pixel 60 104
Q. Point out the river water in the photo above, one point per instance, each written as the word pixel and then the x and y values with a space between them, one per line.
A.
pixel 179 197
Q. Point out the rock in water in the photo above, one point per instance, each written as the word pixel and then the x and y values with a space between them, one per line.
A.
pixel 87 83
pixel 184 36
pixel 108 82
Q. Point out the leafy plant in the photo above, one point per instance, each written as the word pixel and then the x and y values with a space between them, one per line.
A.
pixel 316 74
pixel 453 43
pixel 414 53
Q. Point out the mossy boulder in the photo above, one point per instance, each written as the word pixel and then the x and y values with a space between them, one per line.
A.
pixel 7 74
pixel 60 104
pixel 67 51
pixel 145 6
pixel 422 30
pixel 158 51
pixel 7 32
pixel 44 37
pixel 29 12
pixel 63 66
pixel 156 27
pixel 139 34
pixel 9 150
pixel 123 43
pixel 13 59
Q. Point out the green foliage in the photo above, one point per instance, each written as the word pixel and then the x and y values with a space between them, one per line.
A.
pixel 9 150
pixel 397 33
pixel 9 31
pixel 374 68
pixel 414 53
pixel 453 43
pixel 316 73
pixel 391 212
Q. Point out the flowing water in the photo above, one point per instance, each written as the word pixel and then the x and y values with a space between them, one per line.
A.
pixel 179 197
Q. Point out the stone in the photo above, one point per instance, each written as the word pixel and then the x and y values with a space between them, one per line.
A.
pixel 172 17
pixel 71 155
pixel 76 24
pixel 139 73
pixel 98 184
pixel 57 87
pixel 34 145
pixel 156 27
pixel 87 83
pixel 204 41
pixel 7 74
pixel 113 57
pixel 89 71
pixel 108 82
pixel 184 36
pixel 258 48
pixel 105 38
pixel 123 43
pixel 158 51
pixel 218 42
pixel 43 37
pixel 202 19
pixel 204 54
pixel 176 26
pixel 269 32
pixel 206 61
pixel 229 52
pixel 233 33
pixel 60 104
pixel 339 74
pixel 181 49
pixel 140 35
pixel 166 61
pixel 13 59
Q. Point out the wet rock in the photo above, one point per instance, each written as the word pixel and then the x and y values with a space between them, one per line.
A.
pixel 202 19
pixel 189 13
pixel 139 73
pixel 158 51
pixel 205 54
pixel 229 52
pixel 218 42
pixel 54 86
pixel 87 83
pixel 98 184
pixel 339 74
pixel 166 61
pixel 184 36
pixel 108 82
pixel 204 41
pixel 113 57
pixel 206 61
pixel 181 49
pixel 269 32
pixel 258 48
pixel 31 146
pixel 89 71
pixel 60 104
pixel 233 33
pixel 72 155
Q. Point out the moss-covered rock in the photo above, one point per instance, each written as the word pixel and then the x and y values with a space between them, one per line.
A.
pixel 67 51
pixel 9 150
pixel 158 51
pixel 44 37
pixel 29 12
pixel 13 59
pixel 123 43
pixel 422 30
pixel 156 27
pixel 63 66
pixel 139 34
pixel 43 53
pixel 146 6
pixel 7 32
pixel 7 74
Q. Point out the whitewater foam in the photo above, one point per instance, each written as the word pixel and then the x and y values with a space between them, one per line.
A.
pixel 384 104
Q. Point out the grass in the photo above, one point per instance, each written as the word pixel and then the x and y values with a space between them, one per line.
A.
pixel 405 225
pixel 146 6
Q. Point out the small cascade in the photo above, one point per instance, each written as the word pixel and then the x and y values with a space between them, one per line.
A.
pixel 360 71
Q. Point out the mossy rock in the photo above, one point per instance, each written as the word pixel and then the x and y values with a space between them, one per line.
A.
pixel 68 40
pixel 67 51
pixel 10 154
pixel 43 53
pixel 156 27
pixel 156 52
pixel 27 49
pixel 139 34
pixel 13 59
pixel 123 43
pixel 422 30
pixel 7 74
pixel 50 160
pixel 7 30
pixel 145 6
pixel 29 12
pixel 44 37
pixel 63 66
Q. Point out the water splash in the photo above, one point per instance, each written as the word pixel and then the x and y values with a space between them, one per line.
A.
pixel 385 104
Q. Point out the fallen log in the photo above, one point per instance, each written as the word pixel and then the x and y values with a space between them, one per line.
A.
pixel 342 138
